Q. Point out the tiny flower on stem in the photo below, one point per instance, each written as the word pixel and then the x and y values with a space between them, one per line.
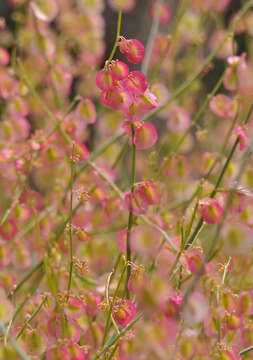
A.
pixel 133 49
pixel 211 211
pixel 123 312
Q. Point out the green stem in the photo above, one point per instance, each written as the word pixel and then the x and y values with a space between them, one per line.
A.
pixel 117 37
pixel 36 311
pixel 183 87
pixel 19 350
pixel 70 219
pixel 115 338
pixel 131 216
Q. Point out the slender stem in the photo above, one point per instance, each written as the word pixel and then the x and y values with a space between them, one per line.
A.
pixel 36 268
pixel 246 350
pixel 152 35
pixel 13 342
pixel 36 311
pixel 107 326
pixel 131 216
pixel 117 37
pixel 70 218
pixel 183 87
pixel 219 180
pixel 115 338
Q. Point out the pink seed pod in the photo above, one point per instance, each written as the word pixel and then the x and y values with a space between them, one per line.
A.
pixel 105 80
pixel 232 321
pixel 196 310
pixel 211 211
pixel 133 49
pixel 20 256
pixel 136 82
pixel 194 259
pixel 86 111
pixel 4 57
pixel 5 254
pixel 119 99
pixel 229 301
pixel 33 341
pixel 245 80
pixel 92 301
pixel 145 136
pixel 211 325
pixel 223 106
pixel 71 351
pixel 8 230
pixel 144 195
pixel 243 137
pixel 220 5
pixel 228 46
pixel 61 78
pixel 179 119
pixel 68 329
pixel 8 86
pixel 124 5
pixel 74 308
pixel 18 107
pixel 173 305
pixel 247 335
pixel 118 69
pixel 141 105
pixel 245 303
pixel 6 309
pixel 149 100
pixel 160 11
pixel 123 312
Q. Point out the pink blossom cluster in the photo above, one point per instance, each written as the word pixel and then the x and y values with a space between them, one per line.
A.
pixel 126 185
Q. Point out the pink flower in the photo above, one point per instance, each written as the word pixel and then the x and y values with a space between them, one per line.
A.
pixel 133 49
pixel 123 312
pixel 136 82
pixel 179 119
pixel 173 305
pixel 145 136
pixel 118 69
pixel 70 351
pixel 144 195
pixel 162 11
pixel 105 80
pixel 8 230
pixel 211 211
pixel 223 106
pixel 4 56
pixel 243 138
pixel 118 99
pixel 86 111
pixel 194 259
pixel 74 308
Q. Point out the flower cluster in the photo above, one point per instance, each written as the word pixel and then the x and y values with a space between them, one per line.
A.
pixel 117 243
